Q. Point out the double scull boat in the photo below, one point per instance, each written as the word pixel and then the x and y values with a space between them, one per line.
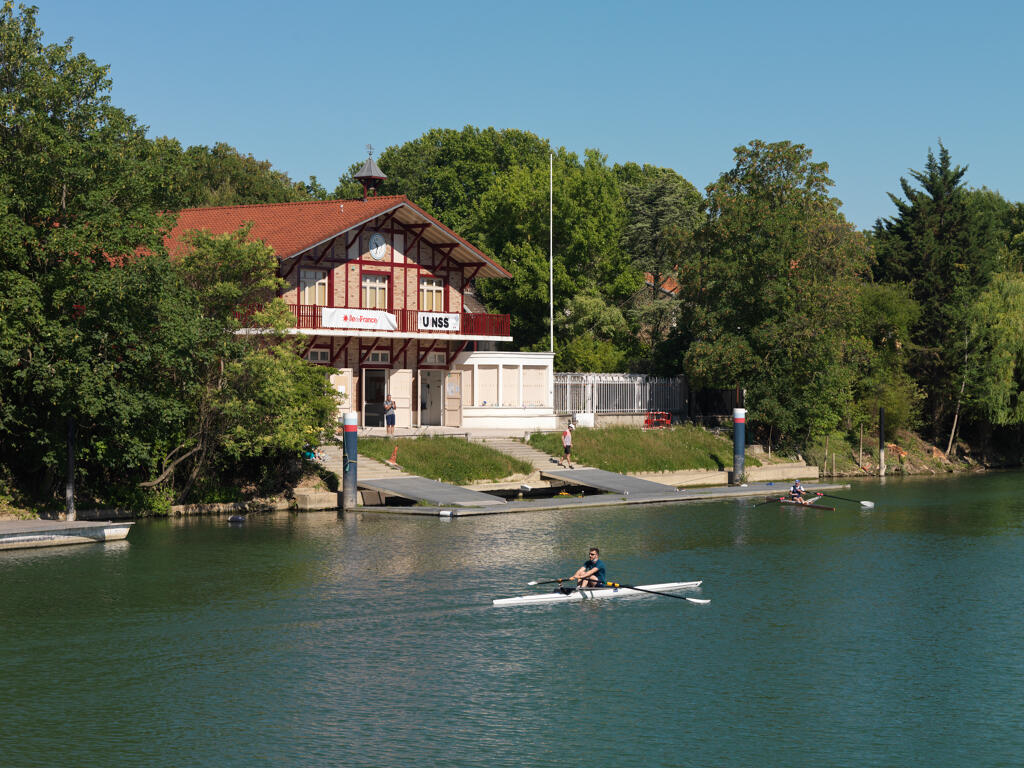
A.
pixel 595 593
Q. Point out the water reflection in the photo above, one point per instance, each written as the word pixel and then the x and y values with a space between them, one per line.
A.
pixel 832 638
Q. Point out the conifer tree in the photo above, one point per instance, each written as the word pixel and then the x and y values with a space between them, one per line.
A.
pixel 944 250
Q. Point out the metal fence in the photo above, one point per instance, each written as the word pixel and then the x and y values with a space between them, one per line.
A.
pixel 618 393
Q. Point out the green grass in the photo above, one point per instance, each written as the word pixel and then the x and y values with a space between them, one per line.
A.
pixel 448 459
pixel 630 449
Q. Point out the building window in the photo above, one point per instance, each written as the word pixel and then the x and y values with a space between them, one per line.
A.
pixel 319 355
pixel 431 294
pixel 375 292
pixel 436 358
pixel 381 357
pixel 313 287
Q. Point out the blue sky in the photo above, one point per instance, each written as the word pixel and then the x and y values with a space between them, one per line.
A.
pixel 868 86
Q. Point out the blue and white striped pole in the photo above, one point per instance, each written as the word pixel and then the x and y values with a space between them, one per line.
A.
pixel 349 489
pixel 739 438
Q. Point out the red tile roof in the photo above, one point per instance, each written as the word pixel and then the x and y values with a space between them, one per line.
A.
pixel 668 284
pixel 291 228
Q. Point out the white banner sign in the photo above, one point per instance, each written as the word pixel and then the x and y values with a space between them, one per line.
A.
pixel 440 321
pixel 367 319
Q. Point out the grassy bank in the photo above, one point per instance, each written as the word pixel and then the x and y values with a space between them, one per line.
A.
pixel 448 459
pixel 628 449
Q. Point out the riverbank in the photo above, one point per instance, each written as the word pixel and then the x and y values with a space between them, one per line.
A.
pixel 906 454
pixel 701 464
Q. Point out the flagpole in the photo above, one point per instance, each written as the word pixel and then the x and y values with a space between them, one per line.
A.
pixel 551 247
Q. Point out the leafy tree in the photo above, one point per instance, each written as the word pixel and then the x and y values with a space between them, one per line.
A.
pixel 885 316
pixel 512 222
pixel 662 210
pixel 221 175
pixel 255 399
pixel 996 351
pixel 768 292
pixel 76 182
pixel 446 171
pixel 100 334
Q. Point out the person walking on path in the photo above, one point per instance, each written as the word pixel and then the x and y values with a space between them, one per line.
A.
pixel 389 414
pixel 567 446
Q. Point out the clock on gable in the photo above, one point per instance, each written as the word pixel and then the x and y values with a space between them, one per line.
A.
pixel 378 247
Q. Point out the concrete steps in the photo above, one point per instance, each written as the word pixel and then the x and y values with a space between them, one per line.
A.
pixel 519 450
pixel 368 469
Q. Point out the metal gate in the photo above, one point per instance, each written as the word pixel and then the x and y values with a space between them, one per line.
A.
pixel 618 393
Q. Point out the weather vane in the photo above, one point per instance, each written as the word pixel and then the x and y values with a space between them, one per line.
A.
pixel 369 148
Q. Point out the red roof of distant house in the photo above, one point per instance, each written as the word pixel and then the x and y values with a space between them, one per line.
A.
pixel 668 284
pixel 292 228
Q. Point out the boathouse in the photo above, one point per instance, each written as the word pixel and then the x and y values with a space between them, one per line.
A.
pixel 383 295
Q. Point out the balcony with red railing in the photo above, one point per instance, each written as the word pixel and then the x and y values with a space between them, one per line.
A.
pixel 309 317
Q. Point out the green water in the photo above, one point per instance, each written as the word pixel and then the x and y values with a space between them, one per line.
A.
pixel 890 636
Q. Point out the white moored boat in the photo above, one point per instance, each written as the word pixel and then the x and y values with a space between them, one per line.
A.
pixel 596 593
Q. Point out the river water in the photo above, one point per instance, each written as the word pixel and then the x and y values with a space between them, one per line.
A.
pixel 890 636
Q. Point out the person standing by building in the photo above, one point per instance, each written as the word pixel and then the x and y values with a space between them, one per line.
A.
pixel 567 446
pixel 389 414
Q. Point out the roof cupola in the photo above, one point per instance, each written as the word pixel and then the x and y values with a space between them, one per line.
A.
pixel 370 175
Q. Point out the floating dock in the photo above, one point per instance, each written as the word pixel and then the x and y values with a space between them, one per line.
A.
pixel 671 496
pixel 27 534
pixel 610 482
pixel 431 491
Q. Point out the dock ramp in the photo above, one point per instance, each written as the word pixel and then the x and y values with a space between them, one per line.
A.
pixel 423 489
pixel 611 482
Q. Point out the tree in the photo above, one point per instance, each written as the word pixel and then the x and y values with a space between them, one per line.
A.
pixel 996 351
pixel 662 210
pixel 446 171
pixel 254 398
pixel 944 244
pixel 101 335
pixel 77 179
pixel 767 291
pixel 885 316
pixel 511 221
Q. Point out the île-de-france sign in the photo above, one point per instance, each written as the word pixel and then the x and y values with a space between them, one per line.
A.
pixel 366 319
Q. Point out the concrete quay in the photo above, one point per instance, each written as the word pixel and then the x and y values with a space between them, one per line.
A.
pixel 29 534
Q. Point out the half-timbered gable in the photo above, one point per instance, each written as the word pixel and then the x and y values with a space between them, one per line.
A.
pixel 379 290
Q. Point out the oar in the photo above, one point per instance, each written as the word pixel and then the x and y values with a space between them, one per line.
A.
pixel 549 581
pixel 769 501
pixel 652 592
pixel 868 504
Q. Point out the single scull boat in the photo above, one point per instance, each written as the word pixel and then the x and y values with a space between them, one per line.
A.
pixel 799 503
pixel 596 593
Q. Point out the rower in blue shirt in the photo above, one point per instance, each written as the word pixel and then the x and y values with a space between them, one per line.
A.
pixel 591 573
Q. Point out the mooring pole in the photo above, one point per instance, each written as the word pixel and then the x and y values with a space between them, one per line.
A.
pixel 349 487
pixel 69 487
pixel 881 442
pixel 739 439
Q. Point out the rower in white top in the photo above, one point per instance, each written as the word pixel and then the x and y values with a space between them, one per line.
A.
pixel 796 492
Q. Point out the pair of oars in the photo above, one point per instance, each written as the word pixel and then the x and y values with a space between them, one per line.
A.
pixel 613 585
pixel 863 503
